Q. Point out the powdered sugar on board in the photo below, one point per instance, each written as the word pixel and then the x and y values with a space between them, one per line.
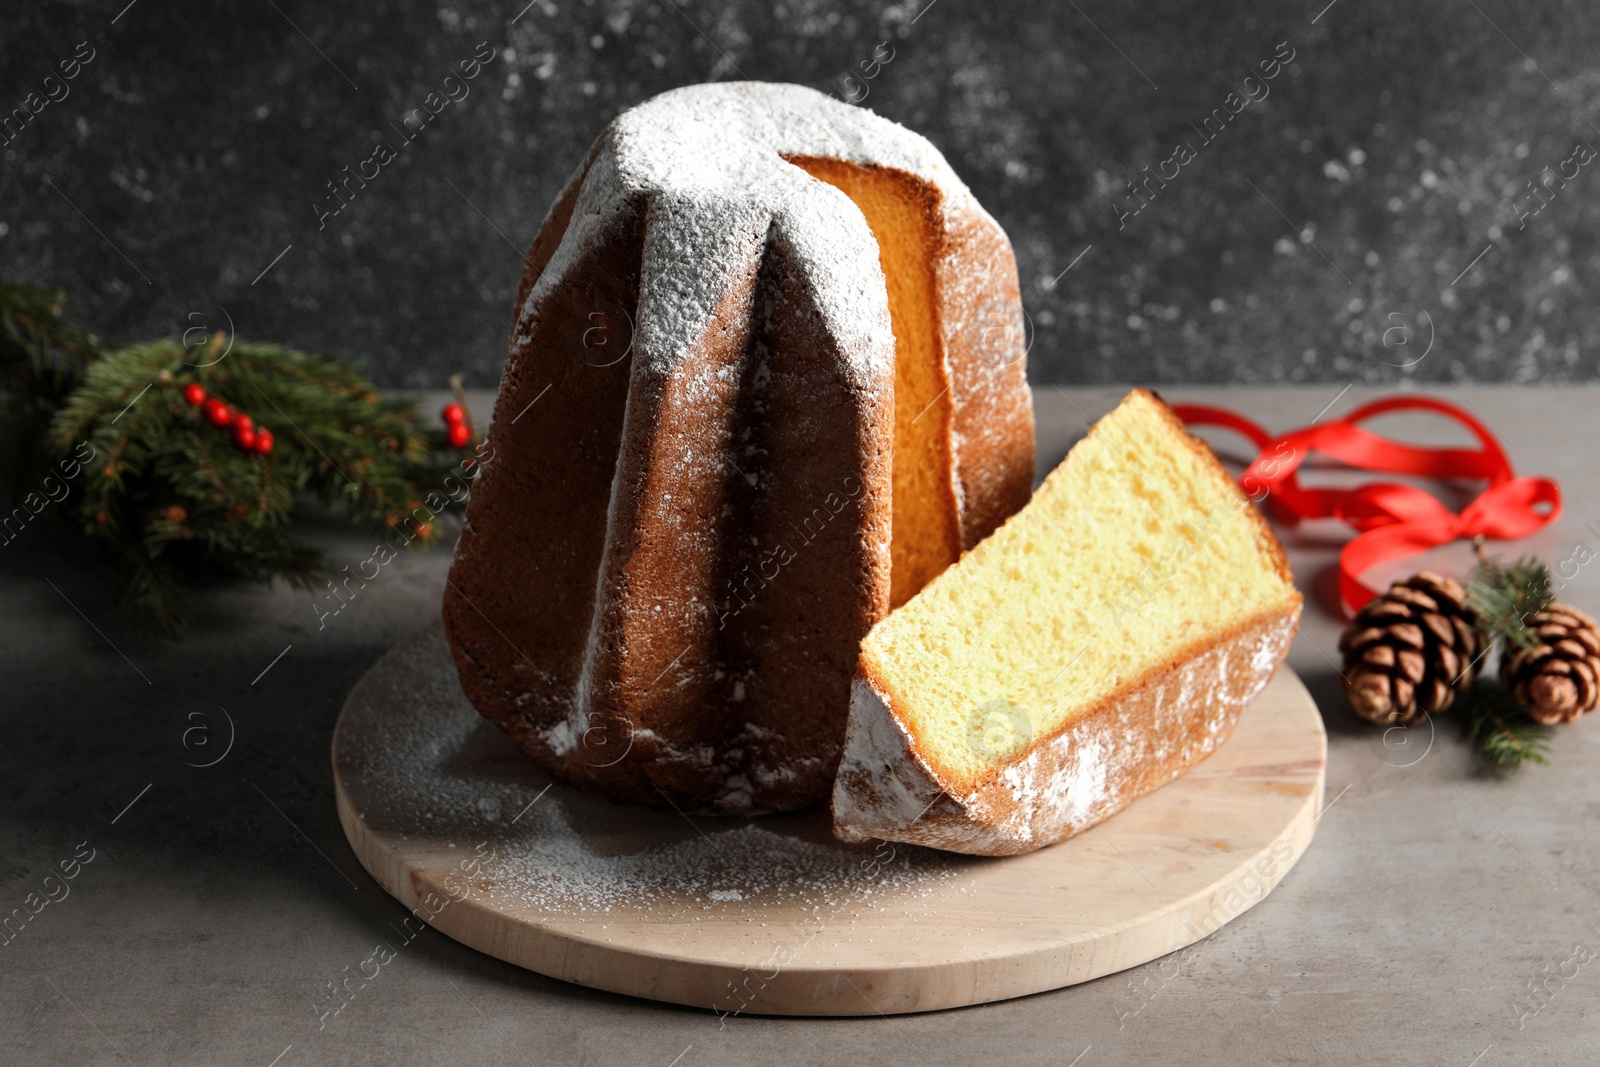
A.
pixel 431 764
pixel 774 916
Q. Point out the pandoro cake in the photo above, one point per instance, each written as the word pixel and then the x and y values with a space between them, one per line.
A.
pixel 1097 645
pixel 765 380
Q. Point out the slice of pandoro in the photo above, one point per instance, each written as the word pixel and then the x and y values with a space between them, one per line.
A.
pixel 1095 647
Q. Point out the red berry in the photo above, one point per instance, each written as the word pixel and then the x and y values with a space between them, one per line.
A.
pixel 193 394
pixel 242 421
pixel 263 440
pixel 452 414
pixel 245 438
pixel 458 435
pixel 218 412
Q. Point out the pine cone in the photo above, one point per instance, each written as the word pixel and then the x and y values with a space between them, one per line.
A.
pixel 1558 679
pixel 1409 652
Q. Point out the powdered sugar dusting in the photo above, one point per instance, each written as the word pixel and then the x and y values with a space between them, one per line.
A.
pixel 880 785
pixel 430 763
pixel 709 158
pixel 1086 781
pixel 552 866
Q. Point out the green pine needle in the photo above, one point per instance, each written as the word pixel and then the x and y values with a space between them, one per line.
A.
pixel 1502 732
pixel 1506 596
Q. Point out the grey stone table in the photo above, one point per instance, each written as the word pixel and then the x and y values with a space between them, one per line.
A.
pixel 220 900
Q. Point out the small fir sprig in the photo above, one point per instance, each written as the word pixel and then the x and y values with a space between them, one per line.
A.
pixel 1510 600
pixel 1506 596
pixel 1499 728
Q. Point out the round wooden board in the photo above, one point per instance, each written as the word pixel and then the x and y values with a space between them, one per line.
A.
pixel 773 915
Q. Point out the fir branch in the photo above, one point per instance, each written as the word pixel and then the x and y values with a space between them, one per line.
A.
pixel 1505 596
pixel 39 339
pixel 150 591
pixel 172 497
pixel 1502 732
pixel 42 358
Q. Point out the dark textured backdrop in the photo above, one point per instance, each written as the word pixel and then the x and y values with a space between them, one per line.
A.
pixel 1332 217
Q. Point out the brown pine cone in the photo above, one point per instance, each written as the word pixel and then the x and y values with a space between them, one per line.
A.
pixel 1558 679
pixel 1410 651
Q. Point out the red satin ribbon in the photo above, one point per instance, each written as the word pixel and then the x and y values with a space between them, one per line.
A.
pixel 1392 520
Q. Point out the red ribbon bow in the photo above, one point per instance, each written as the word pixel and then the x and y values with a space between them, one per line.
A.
pixel 1393 520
